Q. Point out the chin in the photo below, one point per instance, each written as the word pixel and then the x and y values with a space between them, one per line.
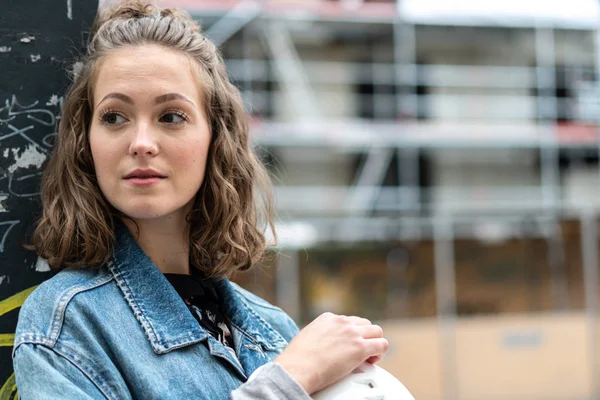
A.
pixel 145 211
pixel 145 215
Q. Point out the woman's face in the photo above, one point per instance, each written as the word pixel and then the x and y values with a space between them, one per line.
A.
pixel 149 136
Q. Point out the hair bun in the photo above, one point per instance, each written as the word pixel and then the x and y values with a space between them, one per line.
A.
pixel 137 9
pixel 126 9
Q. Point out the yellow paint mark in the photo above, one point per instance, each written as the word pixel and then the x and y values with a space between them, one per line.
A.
pixel 9 389
pixel 15 301
pixel 7 339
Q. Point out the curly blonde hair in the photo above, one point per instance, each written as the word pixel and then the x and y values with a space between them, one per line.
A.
pixel 233 205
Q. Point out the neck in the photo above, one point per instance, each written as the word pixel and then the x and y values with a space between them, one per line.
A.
pixel 165 242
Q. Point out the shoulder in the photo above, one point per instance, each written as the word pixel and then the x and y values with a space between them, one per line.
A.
pixel 254 299
pixel 42 314
pixel 274 315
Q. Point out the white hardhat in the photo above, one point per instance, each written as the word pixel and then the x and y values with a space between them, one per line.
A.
pixel 367 382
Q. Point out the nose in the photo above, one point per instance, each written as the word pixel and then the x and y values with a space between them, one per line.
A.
pixel 143 142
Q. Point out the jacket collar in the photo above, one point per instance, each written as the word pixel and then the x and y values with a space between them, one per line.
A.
pixel 163 315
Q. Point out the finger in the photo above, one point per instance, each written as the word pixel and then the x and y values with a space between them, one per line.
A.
pixel 358 320
pixel 376 347
pixel 370 331
pixel 374 359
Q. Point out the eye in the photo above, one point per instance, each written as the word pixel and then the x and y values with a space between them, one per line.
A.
pixel 112 118
pixel 174 117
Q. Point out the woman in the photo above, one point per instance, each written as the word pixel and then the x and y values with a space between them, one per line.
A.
pixel 148 207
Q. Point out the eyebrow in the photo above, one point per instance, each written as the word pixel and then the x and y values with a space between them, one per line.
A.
pixel 158 100
pixel 170 97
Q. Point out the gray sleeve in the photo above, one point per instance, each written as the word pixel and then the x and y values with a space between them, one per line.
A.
pixel 270 382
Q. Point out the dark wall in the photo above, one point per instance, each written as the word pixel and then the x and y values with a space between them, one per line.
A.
pixel 39 40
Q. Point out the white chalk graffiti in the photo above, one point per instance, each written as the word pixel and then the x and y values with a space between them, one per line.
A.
pixel 30 157
pixel 41 265
pixel 12 109
pixel 5 228
pixel 54 100
pixel 22 155
pixel 27 39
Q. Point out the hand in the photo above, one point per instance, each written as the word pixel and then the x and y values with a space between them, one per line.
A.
pixel 329 348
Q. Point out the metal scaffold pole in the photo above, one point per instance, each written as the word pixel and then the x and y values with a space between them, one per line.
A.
pixel 589 240
pixel 287 286
pixel 547 108
pixel 232 22
pixel 589 249
pixel 406 80
pixel 445 284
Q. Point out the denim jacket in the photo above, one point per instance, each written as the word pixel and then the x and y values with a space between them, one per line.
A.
pixel 122 332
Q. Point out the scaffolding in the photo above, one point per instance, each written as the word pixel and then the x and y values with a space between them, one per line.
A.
pixel 396 133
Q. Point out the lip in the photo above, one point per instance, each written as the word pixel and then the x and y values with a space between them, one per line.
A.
pixel 144 177
pixel 144 181
pixel 147 173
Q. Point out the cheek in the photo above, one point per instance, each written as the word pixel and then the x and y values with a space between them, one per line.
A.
pixel 193 157
pixel 103 156
pixel 193 166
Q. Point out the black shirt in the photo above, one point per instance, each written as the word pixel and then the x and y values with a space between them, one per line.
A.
pixel 201 296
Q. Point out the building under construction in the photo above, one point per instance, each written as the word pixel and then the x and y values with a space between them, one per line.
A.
pixel 436 170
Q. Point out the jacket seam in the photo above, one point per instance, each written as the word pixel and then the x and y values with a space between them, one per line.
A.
pixel 266 325
pixel 63 302
pixel 70 356
pixel 265 344
pixel 139 314
pixel 30 339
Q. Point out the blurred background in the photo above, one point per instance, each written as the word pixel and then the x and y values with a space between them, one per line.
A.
pixel 437 170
